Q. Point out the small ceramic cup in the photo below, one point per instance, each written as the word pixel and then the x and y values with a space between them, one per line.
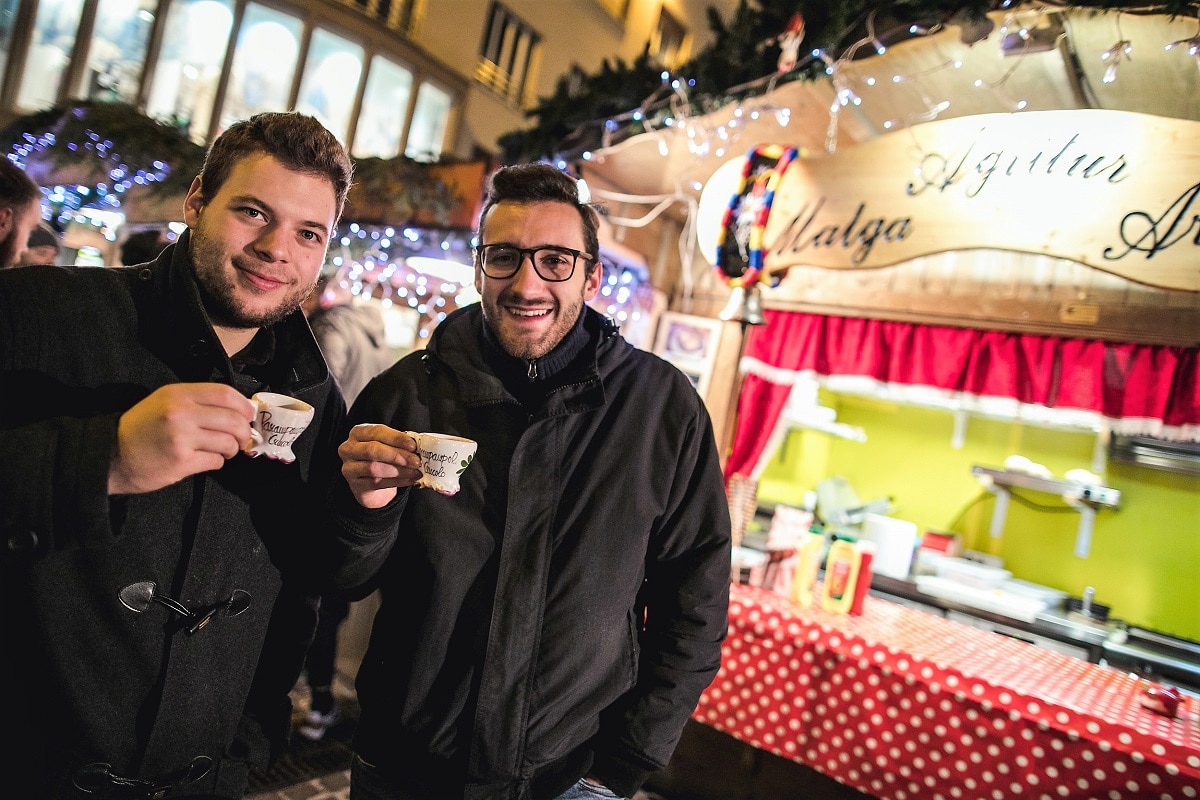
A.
pixel 443 459
pixel 279 421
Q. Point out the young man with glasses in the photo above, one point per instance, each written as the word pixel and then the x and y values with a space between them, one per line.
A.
pixel 547 631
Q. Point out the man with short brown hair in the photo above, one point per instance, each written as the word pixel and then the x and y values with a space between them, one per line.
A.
pixel 158 586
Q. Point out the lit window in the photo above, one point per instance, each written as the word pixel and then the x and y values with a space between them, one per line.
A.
pixel 615 8
pixel 264 64
pixel 8 16
pixel 385 102
pixel 117 51
pixel 667 44
pixel 49 52
pixel 428 127
pixel 189 67
pixel 330 81
pixel 400 15
pixel 507 53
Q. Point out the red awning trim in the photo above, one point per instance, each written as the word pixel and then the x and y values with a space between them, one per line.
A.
pixel 1132 389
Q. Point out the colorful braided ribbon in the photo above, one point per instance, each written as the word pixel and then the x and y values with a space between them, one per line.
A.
pixel 739 258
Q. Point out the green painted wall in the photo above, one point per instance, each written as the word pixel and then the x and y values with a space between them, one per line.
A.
pixel 1145 556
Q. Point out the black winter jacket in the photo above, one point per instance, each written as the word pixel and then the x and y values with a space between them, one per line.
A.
pixel 90 679
pixel 565 610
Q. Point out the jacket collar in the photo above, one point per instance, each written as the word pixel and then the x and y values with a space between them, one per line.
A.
pixel 456 343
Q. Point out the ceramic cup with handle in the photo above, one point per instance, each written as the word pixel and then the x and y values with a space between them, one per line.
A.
pixel 280 419
pixel 443 459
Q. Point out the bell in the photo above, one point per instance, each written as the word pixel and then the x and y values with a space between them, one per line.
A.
pixel 744 306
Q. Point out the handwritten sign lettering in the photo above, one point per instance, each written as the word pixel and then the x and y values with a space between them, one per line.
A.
pixel 1114 190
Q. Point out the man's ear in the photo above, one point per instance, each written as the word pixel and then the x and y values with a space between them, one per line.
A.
pixel 194 203
pixel 7 218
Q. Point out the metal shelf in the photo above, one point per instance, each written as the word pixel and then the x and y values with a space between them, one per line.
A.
pixel 1086 497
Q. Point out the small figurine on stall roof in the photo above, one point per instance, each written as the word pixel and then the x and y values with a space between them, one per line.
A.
pixel 789 43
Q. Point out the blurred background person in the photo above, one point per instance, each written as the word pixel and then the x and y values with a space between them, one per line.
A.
pixel 43 246
pixel 352 338
pixel 143 246
pixel 20 212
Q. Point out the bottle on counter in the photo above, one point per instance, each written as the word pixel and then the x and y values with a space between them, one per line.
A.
pixel 841 575
pixel 862 582
pixel 808 563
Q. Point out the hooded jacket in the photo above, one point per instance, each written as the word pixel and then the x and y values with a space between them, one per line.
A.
pixel 109 688
pixel 563 612
pixel 353 339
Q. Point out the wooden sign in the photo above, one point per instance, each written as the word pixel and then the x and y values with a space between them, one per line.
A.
pixel 1114 190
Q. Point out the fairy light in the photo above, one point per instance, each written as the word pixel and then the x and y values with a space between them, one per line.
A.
pixel 382 264
pixel 97 205
pixel 1192 43
pixel 1113 57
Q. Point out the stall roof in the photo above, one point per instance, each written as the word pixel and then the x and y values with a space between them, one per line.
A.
pixel 936 76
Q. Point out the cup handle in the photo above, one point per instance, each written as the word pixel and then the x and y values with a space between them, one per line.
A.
pixel 256 437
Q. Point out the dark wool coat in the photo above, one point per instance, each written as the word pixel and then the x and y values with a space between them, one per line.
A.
pixel 565 610
pixel 94 676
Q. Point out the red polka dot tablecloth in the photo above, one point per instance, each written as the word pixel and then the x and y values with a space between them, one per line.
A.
pixel 904 705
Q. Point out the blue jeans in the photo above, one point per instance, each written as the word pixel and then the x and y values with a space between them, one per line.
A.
pixel 582 790
pixel 366 783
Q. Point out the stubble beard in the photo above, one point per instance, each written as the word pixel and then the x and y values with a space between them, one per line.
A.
pixel 219 290
pixel 522 346
pixel 8 251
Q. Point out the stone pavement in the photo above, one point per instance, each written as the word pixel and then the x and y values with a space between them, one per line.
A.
pixel 335 786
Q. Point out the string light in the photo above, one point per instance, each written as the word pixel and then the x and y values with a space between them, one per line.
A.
pixel 1192 43
pixel 1113 55
pixel 430 272
pixel 1023 32
pixel 80 203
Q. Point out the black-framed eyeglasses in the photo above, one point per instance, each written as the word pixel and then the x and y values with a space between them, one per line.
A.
pixel 550 262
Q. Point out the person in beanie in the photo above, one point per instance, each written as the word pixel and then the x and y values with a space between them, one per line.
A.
pixel 42 247
pixel 547 631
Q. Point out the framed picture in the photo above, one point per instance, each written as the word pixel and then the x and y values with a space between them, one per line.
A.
pixel 690 343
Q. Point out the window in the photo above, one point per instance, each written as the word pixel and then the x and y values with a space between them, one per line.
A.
pixel 330 81
pixel 385 103
pixel 8 16
pixel 53 39
pixel 615 8
pixel 264 63
pixel 399 15
pixel 506 55
pixel 428 127
pixel 667 42
pixel 189 68
pixel 117 51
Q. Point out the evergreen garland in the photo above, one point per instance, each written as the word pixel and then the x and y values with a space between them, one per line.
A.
pixel 112 142
pixel 742 51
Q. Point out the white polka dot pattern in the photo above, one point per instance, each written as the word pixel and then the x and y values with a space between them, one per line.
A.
pixel 905 705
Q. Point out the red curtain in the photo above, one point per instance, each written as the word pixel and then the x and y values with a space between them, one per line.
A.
pixel 1140 389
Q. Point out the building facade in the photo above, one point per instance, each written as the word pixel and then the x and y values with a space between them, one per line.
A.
pixel 421 78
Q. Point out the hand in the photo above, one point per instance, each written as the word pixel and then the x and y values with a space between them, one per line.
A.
pixel 178 430
pixel 378 460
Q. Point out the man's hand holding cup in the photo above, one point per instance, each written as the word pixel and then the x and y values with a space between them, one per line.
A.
pixel 378 460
